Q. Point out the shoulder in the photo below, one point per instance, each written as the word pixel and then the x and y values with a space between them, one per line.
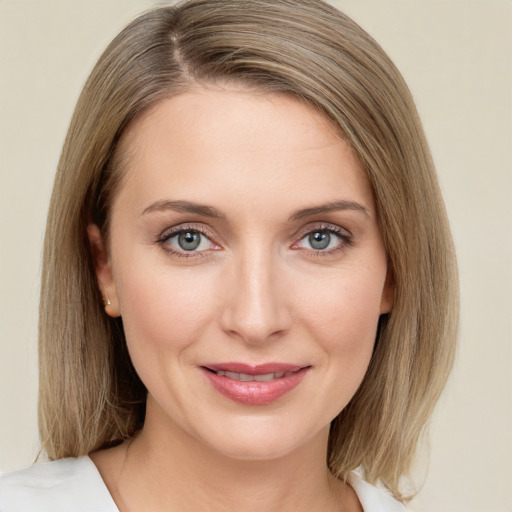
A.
pixel 63 485
pixel 372 498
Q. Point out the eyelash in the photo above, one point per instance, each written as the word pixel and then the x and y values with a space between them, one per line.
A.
pixel 345 239
pixel 168 234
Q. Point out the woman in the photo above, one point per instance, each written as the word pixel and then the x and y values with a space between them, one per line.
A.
pixel 249 286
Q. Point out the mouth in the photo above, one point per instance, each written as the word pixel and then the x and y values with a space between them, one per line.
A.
pixel 254 385
pixel 246 377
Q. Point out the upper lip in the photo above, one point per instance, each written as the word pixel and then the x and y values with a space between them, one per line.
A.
pixel 259 369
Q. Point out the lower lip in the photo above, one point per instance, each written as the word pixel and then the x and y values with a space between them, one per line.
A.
pixel 255 392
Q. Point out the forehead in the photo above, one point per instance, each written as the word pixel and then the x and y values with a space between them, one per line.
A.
pixel 232 107
pixel 214 141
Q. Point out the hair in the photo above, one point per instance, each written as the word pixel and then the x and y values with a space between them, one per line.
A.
pixel 90 395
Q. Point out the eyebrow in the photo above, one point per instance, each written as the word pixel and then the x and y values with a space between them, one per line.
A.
pixel 210 211
pixel 186 207
pixel 330 207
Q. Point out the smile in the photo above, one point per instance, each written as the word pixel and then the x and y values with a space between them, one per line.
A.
pixel 245 377
pixel 254 385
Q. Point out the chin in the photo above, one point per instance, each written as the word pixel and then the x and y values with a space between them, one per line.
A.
pixel 262 439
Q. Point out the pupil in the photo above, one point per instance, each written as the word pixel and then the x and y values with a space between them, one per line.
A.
pixel 319 240
pixel 189 240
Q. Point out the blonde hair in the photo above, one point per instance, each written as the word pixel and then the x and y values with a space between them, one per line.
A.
pixel 90 396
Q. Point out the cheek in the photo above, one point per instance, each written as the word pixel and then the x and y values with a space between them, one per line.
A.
pixel 162 309
pixel 342 314
pixel 344 310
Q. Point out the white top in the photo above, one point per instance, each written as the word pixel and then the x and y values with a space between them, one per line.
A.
pixel 75 485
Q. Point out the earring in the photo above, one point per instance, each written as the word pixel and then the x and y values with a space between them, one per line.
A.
pixel 106 302
pixel 106 298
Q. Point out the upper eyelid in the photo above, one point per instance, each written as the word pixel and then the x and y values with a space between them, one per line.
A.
pixel 322 226
pixel 174 230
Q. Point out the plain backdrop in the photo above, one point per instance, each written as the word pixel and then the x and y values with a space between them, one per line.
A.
pixel 457 59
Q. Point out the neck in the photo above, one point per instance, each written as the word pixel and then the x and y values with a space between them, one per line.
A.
pixel 165 468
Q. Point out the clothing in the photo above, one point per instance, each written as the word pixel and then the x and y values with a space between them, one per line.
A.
pixel 75 485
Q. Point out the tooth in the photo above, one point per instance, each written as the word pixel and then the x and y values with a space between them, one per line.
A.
pixel 264 378
pixel 245 377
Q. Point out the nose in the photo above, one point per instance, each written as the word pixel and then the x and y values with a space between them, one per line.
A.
pixel 256 303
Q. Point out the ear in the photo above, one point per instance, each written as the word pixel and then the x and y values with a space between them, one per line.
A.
pixel 103 271
pixel 388 293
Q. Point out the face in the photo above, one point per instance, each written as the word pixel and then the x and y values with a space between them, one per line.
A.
pixel 246 262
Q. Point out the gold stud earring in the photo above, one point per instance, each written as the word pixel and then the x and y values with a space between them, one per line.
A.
pixel 106 298
pixel 106 301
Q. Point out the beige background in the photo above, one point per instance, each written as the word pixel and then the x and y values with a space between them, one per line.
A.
pixel 456 57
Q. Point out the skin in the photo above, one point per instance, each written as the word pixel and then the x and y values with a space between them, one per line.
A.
pixel 255 291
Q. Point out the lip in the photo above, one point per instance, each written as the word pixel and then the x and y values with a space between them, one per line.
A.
pixel 259 369
pixel 254 392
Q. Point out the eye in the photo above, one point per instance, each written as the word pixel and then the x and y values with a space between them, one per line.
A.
pixel 320 240
pixel 187 241
pixel 325 240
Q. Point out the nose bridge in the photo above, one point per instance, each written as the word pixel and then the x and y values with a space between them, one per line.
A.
pixel 256 308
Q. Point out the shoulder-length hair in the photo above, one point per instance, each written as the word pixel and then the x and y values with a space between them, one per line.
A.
pixel 90 396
